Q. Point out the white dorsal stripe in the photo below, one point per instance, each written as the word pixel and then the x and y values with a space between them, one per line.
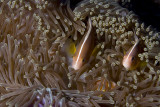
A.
pixel 132 49
pixel 85 39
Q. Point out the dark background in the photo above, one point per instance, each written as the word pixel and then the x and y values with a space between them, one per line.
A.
pixel 147 10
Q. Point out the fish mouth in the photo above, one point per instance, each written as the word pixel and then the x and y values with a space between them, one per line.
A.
pixel 75 66
pixel 126 64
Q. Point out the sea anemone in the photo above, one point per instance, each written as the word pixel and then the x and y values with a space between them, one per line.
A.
pixel 34 70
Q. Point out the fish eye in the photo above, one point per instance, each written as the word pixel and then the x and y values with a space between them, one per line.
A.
pixel 83 60
pixel 133 58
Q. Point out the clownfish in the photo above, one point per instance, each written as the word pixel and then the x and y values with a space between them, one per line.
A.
pixel 131 60
pixel 104 86
pixel 84 49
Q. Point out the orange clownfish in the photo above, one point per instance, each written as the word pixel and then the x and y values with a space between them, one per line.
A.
pixel 103 85
pixel 131 60
pixel 84 48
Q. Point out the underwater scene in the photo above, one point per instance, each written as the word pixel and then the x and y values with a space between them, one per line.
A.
pixel 79 53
